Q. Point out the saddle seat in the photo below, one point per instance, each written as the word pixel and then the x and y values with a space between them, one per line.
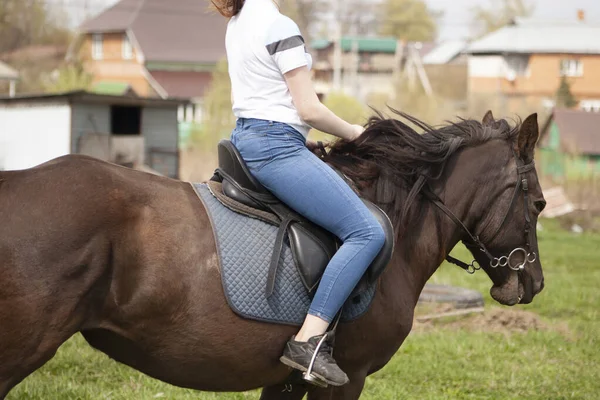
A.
pixel 312 247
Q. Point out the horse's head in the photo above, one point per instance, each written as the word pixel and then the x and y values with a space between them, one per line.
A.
pixel 480 174
pixel 508 228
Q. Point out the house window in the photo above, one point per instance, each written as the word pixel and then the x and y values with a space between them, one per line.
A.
pixel 127 49
pixel 516 65
pixel 571 67
pixel 97 46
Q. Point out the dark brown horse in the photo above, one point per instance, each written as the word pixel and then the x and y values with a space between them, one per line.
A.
pixel 128 259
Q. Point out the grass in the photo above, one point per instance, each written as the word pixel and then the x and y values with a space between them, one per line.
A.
pixel 448 361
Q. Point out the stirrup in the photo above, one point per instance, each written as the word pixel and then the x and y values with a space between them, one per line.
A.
pixel 308 376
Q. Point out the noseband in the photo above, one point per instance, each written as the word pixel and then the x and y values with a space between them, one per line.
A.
pixel 474 243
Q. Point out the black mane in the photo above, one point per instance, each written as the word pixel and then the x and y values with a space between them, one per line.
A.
pixel 391 163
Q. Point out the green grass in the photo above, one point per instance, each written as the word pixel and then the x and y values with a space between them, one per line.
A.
pixel 445 362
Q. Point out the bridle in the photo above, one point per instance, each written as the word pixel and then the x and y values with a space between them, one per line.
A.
pixel 474 243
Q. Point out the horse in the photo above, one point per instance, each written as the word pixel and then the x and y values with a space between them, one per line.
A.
pixel 129 260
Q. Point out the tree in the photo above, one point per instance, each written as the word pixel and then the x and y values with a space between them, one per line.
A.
pixel 564 97
pixel 408 20
pixel 305 13
pixel 499 14
pixel 28 22
pixel 218 117
pixel 69 78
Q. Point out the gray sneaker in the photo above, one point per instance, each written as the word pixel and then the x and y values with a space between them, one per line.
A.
pixel 299 355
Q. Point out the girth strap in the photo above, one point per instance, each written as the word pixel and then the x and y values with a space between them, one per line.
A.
pixel 276 255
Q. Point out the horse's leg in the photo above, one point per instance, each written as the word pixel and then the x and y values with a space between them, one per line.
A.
pixel 350 391
pixel 284 392
pixel 24 349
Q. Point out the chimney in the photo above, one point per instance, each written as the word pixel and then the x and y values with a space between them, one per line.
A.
pixel 581 15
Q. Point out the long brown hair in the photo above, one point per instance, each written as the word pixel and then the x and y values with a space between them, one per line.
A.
pixel 229 8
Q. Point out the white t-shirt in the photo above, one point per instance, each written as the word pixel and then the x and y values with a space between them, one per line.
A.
pixel 262 45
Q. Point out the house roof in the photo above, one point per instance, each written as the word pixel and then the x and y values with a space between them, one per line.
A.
pixel 578 131
pixel 371 45
pixel 183 84
pixel 173 31
pixel 445 52
pixel 83 96
pixel 8 73
pixel 529 36
pixel 365 44
pixel 112 88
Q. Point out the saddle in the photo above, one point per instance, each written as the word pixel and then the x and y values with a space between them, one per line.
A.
pixel 312 247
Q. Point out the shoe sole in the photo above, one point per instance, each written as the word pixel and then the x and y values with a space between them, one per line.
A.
pixel 302 368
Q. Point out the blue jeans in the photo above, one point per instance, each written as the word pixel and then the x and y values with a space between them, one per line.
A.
pixel 277 156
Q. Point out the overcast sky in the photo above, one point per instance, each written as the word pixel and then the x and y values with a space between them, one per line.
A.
pixel 456 13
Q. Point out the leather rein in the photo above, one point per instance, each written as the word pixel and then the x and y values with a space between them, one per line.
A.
pixel 473 242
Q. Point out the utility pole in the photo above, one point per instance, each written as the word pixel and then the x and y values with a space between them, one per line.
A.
pixel 337 47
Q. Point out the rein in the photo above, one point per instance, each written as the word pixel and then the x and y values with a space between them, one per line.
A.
pixel 473 241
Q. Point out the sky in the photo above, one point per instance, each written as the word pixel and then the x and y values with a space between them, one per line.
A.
pixel 454 24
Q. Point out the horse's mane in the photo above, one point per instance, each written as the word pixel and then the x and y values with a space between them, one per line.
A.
pixel 391 163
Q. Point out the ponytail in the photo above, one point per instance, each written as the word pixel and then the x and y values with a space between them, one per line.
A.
pixel 228 8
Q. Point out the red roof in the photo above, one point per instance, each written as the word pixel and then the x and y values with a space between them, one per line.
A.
pixel 167 31
pixel 183 84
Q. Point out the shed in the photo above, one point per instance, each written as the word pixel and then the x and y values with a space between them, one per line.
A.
pixel 127 130
pixel 570 143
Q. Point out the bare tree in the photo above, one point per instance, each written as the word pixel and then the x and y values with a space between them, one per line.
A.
pixel 499 13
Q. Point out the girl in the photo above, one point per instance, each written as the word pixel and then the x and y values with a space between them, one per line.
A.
pixel 276 105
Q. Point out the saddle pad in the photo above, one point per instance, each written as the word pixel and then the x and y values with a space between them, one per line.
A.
pixel 244 246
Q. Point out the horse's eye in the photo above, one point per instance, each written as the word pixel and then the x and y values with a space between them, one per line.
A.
pixel 540 205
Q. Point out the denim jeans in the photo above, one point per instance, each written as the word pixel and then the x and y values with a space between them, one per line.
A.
pixel 277 157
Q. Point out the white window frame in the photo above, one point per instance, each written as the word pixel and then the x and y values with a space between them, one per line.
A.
pixel 571 67
pixel 97 46
pixel 126 48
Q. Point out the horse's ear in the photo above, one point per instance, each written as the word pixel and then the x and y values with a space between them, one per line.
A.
pixel 528 137
pixel 488 118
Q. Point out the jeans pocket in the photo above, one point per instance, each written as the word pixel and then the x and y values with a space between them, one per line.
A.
pixel 254 148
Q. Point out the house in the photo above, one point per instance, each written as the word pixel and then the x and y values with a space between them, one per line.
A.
pixel 368 64
pixel 128 130
pixel 446 52
pixel 569 145
pixel 157 48
pixel 7 74
pixel 521 65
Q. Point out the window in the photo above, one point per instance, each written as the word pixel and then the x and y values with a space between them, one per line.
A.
pixel 127 49
pixel 516 65
pixel 571 67
pixel 97 46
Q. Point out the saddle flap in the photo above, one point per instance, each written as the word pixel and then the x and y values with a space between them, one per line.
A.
pixel 312 248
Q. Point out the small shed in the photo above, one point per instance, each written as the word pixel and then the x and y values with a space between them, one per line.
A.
pixel 128 130
pixel 570 144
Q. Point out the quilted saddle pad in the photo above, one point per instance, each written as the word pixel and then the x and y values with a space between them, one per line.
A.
pixel 244 247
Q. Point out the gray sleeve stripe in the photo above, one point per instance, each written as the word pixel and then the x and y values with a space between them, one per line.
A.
pixel 285 44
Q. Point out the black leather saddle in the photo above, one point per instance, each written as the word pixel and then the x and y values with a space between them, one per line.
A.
pixel 312 247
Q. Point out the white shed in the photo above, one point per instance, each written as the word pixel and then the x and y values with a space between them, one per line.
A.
pixel 128 130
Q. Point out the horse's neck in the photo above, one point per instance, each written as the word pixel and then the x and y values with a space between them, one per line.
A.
pixel 428 239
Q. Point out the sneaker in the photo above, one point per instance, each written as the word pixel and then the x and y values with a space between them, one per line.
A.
pixel 298 355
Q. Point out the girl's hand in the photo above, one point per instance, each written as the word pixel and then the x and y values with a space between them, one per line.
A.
pixel 357 130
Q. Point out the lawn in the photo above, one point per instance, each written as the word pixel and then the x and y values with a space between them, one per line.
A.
pixel 558 357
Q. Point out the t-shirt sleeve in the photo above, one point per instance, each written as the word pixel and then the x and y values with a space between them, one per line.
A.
pixel 285 45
